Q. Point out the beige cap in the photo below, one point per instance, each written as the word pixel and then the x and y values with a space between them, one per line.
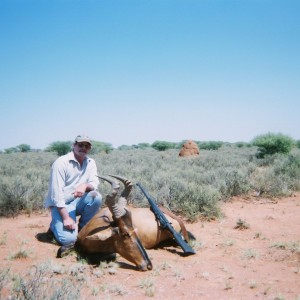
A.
pixel 83 138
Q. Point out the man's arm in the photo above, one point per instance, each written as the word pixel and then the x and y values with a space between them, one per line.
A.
pixel 83 188
pixel 68 222
pixel 93 180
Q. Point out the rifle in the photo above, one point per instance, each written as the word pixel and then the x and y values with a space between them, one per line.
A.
pixel 165 224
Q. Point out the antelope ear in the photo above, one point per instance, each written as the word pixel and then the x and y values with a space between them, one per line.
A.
pixel 102 235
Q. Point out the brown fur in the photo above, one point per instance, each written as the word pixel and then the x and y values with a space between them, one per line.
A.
pixel 102 234
pixel 148 230
pixel 128 231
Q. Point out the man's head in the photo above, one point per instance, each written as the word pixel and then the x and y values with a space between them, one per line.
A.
pixel 82 145
pixel 83 138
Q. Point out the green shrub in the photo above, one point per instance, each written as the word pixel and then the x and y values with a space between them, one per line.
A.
pixel 211 145
pixel 99 147
pixel 39 283
pixel 4 277
pixel 60 148
pixel 190 186
pixel 23 181
pixel 269 144
pixel 235 182
pixel 280 176
pixel 162 145
pixel 11 150
pixel 242 144
pixel 197 201
pixel 143 145
pixel 126 147
pixel 24 148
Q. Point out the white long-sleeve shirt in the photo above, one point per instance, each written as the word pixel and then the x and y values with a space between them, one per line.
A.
pixel 66 175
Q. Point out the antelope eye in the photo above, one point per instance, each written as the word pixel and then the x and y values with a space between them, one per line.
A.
pixel 126 234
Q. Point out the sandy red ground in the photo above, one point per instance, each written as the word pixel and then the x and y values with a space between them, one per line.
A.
pixel 261 262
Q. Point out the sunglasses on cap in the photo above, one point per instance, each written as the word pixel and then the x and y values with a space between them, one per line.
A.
pixel 84 145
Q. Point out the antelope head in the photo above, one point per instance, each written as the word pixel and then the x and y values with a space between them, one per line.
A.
pixel 127 243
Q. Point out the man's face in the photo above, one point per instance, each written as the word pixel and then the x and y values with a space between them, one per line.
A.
pixel 81 149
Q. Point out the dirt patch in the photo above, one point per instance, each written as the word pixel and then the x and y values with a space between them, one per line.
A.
pixel 261 260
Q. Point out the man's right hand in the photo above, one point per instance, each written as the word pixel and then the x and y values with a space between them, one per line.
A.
pixel 68 222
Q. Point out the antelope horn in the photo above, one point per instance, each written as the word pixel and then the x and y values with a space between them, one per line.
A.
pixel 117 210
pixel 114 184
pixel 125 193
pixel 127 184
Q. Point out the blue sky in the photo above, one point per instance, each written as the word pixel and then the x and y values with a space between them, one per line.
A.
pixel 134 71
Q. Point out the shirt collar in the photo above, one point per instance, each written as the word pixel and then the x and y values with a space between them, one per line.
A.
pixel 71 156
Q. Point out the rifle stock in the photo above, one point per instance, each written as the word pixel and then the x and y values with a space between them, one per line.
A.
pixel 165 224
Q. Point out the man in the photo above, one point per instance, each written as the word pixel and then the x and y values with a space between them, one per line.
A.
pixel 72 192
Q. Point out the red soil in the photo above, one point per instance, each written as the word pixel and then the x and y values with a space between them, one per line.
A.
pixel 261 262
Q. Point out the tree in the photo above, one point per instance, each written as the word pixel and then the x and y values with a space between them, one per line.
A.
pixel 210 145
pixel 20 148
pixel 125 147
pixel 143 145
pixel 24 148
pixel 60 148
pixel 99 147
pixel 162 145
pixel 271 143
pixel 11 150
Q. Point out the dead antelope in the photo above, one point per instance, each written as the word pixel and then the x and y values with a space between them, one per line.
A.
pixel 111 231
pixel 123 229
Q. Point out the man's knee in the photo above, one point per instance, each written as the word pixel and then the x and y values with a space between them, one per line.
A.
pixel 68 239
pixel 96 198
pixel 65 237
pixel 93 194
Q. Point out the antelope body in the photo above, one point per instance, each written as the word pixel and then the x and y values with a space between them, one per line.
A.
pixel 126 230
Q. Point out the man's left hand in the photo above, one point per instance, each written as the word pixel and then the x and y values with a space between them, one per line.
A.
pixel 80 190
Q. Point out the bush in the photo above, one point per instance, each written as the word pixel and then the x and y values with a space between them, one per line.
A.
pixel 143 145
pixel 192 187
pixel 269 144
pixel 242 144
pixel 24 181
pixel 162 145
pixel 99 147
pixel 60 148
pixel 4 276
pixel 279 176
pixel 11 150
pixel 211 145
pixel 235 183
pixel 24 148
pixel 39 283
pixel 20 148
pixel 198 201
